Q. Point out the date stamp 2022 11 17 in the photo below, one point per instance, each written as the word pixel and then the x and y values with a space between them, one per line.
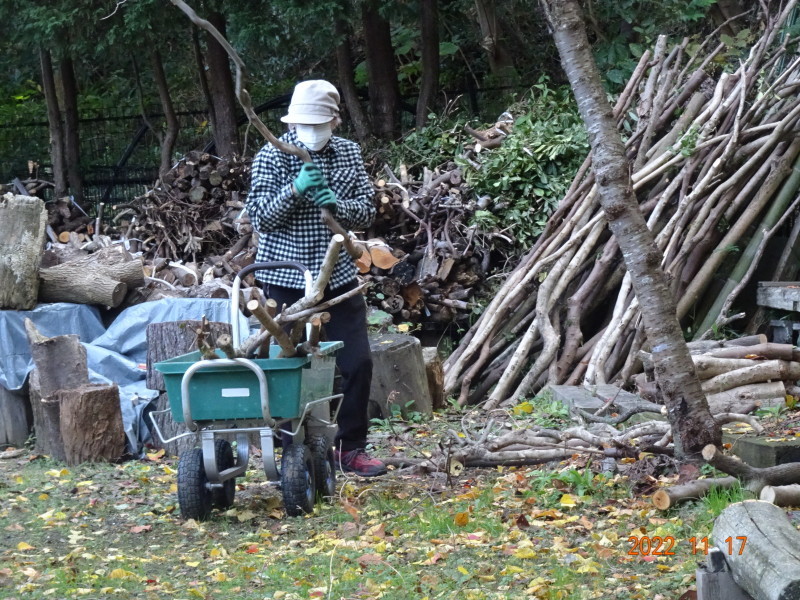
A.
pixel 645 545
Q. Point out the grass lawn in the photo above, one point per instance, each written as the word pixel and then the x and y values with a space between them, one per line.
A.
pixel 558 531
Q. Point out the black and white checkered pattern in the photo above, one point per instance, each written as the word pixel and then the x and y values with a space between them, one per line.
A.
pixel 289 226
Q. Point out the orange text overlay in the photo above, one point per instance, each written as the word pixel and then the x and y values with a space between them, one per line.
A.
pixel 645 545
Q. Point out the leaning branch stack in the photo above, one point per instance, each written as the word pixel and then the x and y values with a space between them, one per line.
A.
pixel 714 156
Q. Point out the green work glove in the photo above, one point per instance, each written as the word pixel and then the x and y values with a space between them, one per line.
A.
pixel 325 198
pixel 308 179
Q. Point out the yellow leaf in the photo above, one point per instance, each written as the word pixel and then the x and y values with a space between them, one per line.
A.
pixel 246 515
pixel 121 574
pixel 567 500
pixel 461 519
pixel 403 328
pixel 44 496
pixel 24 546
pixel 192 564
pixel 523 408
pixel 215 553
pixel 219 577
pixel 525 553
pixel 462 570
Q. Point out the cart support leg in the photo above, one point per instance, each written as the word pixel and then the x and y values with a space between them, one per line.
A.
pixel 268 455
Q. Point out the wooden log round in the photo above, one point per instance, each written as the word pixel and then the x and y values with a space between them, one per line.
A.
pixel 398 373
pixel 23 221
pixel 668 497
pixel 15 417
pixel 760 546
pixel 782 495
pixel 68 283
pixel 91 424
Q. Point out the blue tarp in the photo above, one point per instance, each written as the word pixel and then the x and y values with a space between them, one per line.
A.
pixel 114 355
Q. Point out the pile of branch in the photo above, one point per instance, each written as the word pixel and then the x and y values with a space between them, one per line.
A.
pixel 713 155
pixel 193 212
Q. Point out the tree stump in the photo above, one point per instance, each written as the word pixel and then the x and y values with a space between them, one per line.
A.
pixel 760 546
pixel 91 423
pixel 398 374
pixel 168 340
pixel 23 221
pixel 15 417
pixel 60 365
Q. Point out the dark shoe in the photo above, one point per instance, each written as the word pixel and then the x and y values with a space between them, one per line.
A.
pixel 359 462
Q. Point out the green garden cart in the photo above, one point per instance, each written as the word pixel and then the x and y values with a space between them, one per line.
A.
pixel 277 398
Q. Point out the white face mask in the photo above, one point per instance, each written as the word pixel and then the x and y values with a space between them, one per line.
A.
pixel 314 137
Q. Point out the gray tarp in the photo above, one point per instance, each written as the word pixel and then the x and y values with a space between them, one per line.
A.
pixel 114 355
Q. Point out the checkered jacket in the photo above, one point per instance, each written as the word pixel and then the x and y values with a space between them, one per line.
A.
pixel 289 226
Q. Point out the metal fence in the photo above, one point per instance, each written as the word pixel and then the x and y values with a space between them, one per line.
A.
pixel 120 152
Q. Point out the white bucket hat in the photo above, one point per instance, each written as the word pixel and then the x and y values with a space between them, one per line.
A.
pixel 313 103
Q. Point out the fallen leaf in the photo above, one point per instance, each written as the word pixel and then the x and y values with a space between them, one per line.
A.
pixel 461 519
pixel 24 546
pixel 369 559
pixel 141 528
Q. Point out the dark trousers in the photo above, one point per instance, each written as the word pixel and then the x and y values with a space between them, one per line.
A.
pixel 348 324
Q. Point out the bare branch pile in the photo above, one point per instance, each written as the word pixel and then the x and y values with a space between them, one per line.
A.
pixel 712 154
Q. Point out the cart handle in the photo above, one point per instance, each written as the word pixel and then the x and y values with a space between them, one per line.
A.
pixel 237 282
pixel 218 363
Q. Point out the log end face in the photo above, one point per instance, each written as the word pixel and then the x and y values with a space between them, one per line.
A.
pixel 661 500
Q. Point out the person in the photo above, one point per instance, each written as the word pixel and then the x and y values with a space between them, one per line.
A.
pixel 284 206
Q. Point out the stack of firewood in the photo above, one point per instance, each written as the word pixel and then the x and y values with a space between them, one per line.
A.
pixel 739 375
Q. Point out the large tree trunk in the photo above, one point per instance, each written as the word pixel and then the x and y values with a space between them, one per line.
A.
pixel 384 91
pixel 347 83
pixel 171 134
pixel 72 144
pixel 23 221
pixel 692 423
pixel 429 40
pixel 54 124
pixel 223 96
pixel 201 76
pixel 501 62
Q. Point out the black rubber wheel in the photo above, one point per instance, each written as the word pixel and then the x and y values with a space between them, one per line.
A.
pixel 223 497
pixel 194 497
pixel 324 466
pixel 297 480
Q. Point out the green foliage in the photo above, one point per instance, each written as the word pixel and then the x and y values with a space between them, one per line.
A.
pixel 527 176
pixel 623 29
pixel 543 410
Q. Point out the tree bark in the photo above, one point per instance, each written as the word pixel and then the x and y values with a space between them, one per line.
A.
pixel 171 134
pixel 666 498
pixel 760 546
pixel 501 62
pixel 429 40
pixel 687 409
pixel 54 124
pixel 201 76
pixel 384 90
pixel 72 144
pixel 23 222
pixel 347 83
pixel 91 424
pixel 223 96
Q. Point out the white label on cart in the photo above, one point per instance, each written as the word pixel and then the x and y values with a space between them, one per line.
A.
pixel 236 392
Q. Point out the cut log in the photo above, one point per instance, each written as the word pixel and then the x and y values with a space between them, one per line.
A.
pixel 398 374
pixel 668 497
pixel 23 223
pixel 66 284
pixel 101 278
pixel 744 398
pixel 761 549
pixel 768 370
pixel 60 364
pixel 782 495
pixel 168 340
pixel 435 373
pixel 707 366
pixel 763 351
pixel 755 478
pixel 15 417
pixel 91 424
